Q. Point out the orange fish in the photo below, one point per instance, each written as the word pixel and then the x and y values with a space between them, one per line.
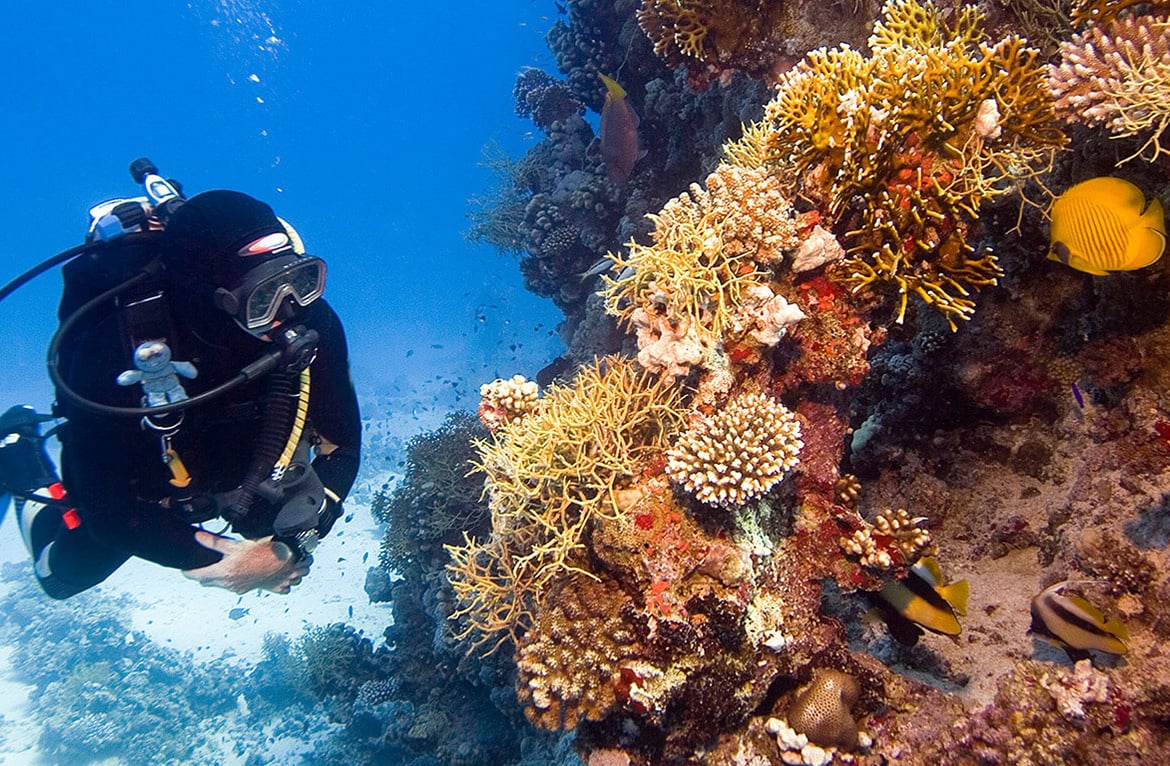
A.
pixel 620 147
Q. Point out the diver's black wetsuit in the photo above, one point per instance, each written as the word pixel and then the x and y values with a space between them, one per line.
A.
pixel 112 467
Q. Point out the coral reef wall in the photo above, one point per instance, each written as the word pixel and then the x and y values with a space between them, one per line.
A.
pixel 850 384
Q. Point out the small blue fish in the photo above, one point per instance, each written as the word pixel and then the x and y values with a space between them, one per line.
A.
pixel 238 613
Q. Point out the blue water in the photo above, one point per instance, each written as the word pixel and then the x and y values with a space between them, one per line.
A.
pixel 361 123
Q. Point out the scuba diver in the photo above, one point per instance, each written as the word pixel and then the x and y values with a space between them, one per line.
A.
pixel 205 389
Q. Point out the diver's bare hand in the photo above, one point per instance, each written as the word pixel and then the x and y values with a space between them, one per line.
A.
pixel 248 565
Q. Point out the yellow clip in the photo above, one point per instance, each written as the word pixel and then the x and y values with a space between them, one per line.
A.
pixel 180 477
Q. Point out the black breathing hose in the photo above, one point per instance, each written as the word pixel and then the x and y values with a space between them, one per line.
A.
pixel 264 364
pixel 44 266
pixel 281 393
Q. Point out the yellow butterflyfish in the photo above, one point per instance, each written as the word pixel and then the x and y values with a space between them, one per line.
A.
pixel 1106 224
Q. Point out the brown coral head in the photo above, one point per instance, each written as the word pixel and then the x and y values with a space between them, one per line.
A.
pixel 821 711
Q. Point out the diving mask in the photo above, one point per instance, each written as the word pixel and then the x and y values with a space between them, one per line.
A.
pixel 256 303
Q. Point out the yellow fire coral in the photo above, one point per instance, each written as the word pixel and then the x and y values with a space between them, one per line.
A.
pixel 717 34
pixel 737 454
pixel 713 36
pixel 1102 11
pixel 1117 75
pixel 677 28
pixel 710 248
pixel 547 475
pixel 920 133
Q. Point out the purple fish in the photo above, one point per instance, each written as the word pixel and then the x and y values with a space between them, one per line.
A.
pixel 619 134
pixel 1077 396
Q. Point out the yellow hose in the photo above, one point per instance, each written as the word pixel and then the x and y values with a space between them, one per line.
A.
pixel 294 435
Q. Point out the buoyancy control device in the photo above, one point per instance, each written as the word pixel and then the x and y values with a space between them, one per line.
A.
pixel 120 265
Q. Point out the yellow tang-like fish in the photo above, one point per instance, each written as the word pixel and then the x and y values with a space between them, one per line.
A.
pixel 1105 224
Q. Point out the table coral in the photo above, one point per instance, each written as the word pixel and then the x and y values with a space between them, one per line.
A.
pixel 1117 74
pixel 935 121
pixel 737 454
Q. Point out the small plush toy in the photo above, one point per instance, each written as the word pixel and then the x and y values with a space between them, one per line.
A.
pixel 158 375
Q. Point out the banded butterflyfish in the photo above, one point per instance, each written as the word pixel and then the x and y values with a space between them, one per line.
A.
pixel 921 601
pixel 1073 624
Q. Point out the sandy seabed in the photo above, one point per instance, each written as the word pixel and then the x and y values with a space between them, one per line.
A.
pixel 177 613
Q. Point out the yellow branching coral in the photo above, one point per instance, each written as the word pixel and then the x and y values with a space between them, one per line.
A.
pixel 678 28
pixel 547 475
pixel 737 454
pixel 1102 11
pixel 900 148
pixel 710 248
pixel 1118 75
pixel 716 33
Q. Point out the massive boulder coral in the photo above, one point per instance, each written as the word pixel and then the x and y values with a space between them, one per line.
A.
pixel 899 149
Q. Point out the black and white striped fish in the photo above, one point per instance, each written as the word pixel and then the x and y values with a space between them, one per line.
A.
pixel 1072 623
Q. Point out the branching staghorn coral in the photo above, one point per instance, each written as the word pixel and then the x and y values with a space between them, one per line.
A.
pixel 710 249
pixel 547 476
pixel 737 454
pixel 900 149
pixel 1117 74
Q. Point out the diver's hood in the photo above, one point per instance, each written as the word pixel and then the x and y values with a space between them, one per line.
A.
pixel 208 237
